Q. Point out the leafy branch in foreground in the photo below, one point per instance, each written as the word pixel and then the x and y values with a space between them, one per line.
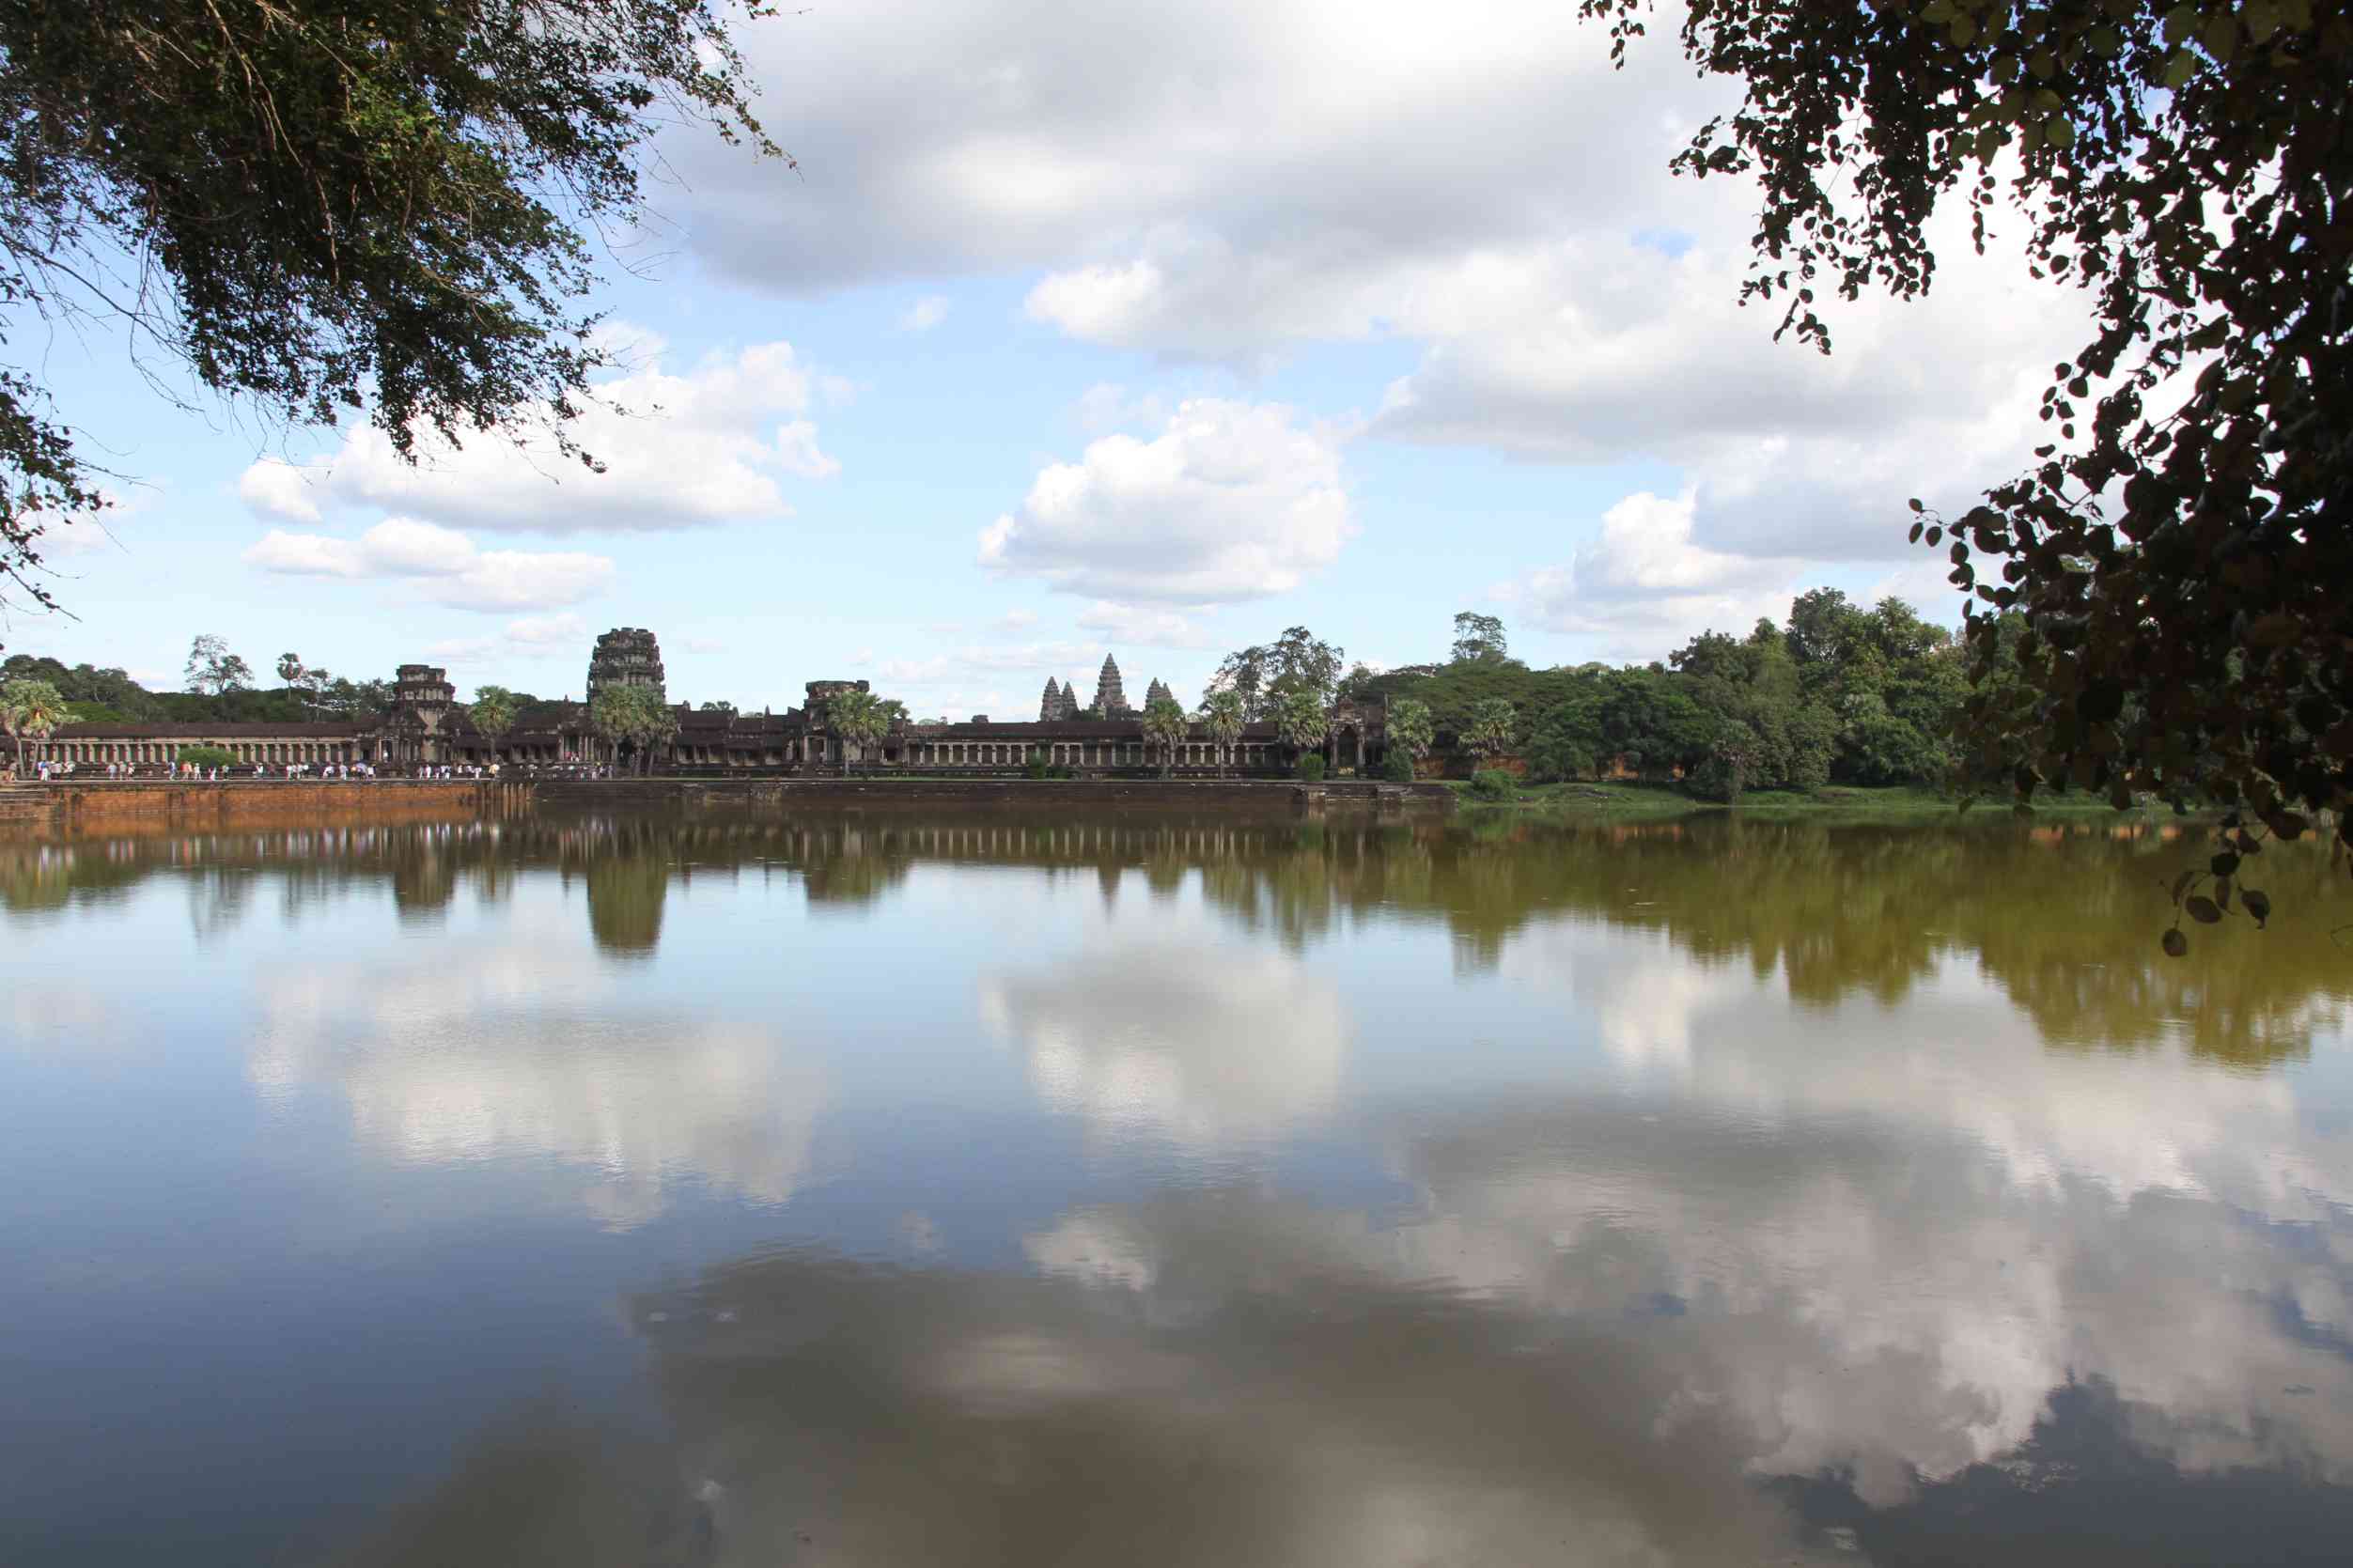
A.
pixel 323 208
pixel 2172 583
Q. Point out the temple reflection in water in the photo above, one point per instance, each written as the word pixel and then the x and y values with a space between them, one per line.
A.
pixel 870 1189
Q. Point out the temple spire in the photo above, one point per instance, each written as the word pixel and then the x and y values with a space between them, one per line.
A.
pixel 1110 697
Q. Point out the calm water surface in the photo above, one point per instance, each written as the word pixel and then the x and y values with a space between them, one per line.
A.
pixel 895 1192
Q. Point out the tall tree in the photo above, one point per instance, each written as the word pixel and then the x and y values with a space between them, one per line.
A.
pixel 30 707
pixel 1165 727
pixel 1411 728
pixel 612 714
pixel 859 717
pixel 291 669
pixel 1222 718
pixel 2182 552
pixel 1302 722
pixel 1269 673
pixel 1479 639
pixel 324 207
pixel 1494 729
pixel 214 671
pixel 493 713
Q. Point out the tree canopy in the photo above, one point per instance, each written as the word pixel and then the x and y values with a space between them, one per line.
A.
pixel 2164 601
pixel 324 208
pixel 1265 675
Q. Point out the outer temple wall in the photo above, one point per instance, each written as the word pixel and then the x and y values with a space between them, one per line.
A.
pixel 205 805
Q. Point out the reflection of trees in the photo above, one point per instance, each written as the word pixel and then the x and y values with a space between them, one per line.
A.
pixel 2063 918
pixel 627 873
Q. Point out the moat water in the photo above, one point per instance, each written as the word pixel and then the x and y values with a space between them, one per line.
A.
pixel 900 1191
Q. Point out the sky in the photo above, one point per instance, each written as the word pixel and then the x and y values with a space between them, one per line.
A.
pixel 1081 329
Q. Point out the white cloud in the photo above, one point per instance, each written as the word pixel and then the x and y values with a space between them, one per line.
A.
pixel 1643 587
pixel 1233 500
pixel 1143 626
pixel 446 565
pixel 274 488
pixel 678 451
pixel 925 313
pixel 1226 184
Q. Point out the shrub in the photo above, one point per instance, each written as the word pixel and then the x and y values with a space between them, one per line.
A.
pixel 207 756
pixel 1397 767
pixel 1035 764
pixel 1311 767
pixel 1494 784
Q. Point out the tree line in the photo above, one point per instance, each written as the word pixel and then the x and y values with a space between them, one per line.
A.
pixel 1839 693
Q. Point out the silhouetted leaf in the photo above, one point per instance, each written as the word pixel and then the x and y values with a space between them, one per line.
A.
pixel 2176 945
pixel 2203 910
pixel 2257 902
pixel 2224 865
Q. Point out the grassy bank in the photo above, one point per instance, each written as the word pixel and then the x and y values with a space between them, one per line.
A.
pixel 1898 801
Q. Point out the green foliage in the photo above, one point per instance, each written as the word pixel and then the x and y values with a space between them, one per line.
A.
pixel 1165 727
pixel 207 756
pixel 323 208
pixel 1300 722
pixel 860 719
pixel 30 710
pixel 1494 784
pixel 1311 767
pixel 493 712
pixel 1266 675
pixel 103 696
pixel 1036 764
pixel 1222 716
pixel 2181 553
pixel 1411 730
pixel 1560 745
pixel 1494 728
pixel 1396 766
pixel 1479 639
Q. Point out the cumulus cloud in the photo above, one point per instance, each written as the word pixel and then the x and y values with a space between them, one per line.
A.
pixel 1643 585
pixel 1226 185
pixel 1232 501
pixel 679 450
pixel 274 488
pixel 446 567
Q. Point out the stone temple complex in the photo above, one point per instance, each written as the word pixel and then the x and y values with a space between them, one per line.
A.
pixel 427 726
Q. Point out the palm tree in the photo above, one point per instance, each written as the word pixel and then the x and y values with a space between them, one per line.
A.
pixel 493 714
pixel 860 718
pixel 652 721
pixel 30 707
pixel 1165 726
pixel 1222 714
pixel 1411 728
pixel 1494 729
pixel 1301 723
pixel 610 714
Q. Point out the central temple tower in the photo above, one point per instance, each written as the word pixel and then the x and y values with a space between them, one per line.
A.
pixel 1111 699
pixel 626 656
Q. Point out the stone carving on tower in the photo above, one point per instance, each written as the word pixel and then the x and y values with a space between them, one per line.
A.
pixel 1111 699
pixel 626 656
pixel 421 700
pixel 1154 691
pixel 1050 705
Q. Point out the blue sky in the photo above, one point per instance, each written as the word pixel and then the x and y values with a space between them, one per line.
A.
pixel 1081 331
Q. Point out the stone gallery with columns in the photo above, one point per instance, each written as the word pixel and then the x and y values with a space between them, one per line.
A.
pixel 427 726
